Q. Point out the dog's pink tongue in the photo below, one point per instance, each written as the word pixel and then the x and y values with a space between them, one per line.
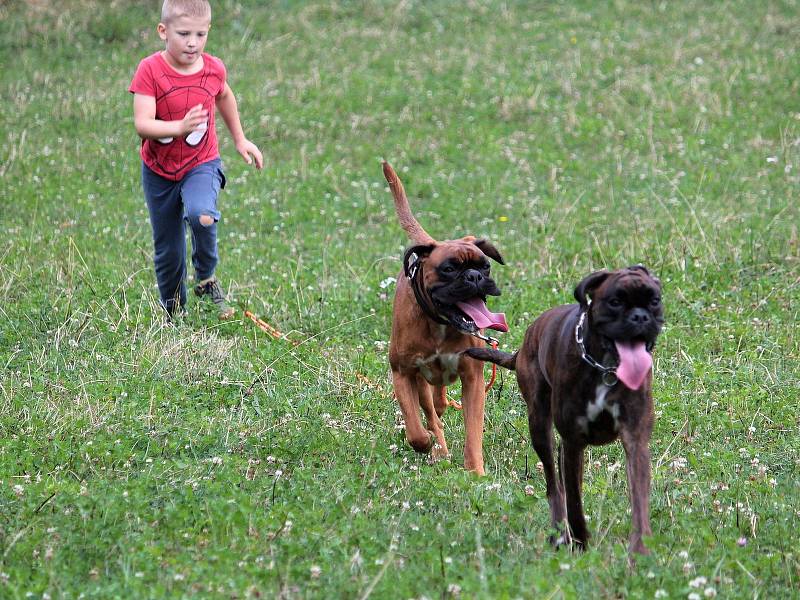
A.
pixel 634 363
pixel 477 311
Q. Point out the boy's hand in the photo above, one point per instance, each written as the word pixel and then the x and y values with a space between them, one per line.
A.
pixel 250 153
pixel 195 119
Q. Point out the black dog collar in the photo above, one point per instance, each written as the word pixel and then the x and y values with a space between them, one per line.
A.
pixel 608 374
pixel 413 270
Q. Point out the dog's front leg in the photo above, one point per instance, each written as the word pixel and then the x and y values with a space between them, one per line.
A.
pixel 405 389
pixel 428 402
pixel 637 466
pixel 473 400
pixel 571 458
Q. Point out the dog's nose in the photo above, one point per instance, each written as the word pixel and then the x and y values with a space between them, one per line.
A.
pixel 639 316
pixel 473 276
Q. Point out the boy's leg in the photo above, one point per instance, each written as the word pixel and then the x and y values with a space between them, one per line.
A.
pixel 200 189
pixel 166 218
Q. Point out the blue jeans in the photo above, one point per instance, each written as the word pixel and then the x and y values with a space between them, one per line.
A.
pixel 171 204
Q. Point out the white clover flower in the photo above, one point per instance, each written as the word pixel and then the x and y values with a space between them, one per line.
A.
pixel 698 582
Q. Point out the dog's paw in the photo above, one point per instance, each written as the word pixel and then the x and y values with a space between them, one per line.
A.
pixel 557 539
pixel 578 546
pixel 423 444
pixel 638 547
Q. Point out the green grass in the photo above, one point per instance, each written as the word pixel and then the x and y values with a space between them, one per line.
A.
pixel 208 460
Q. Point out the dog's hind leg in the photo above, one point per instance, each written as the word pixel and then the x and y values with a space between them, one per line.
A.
pixel 439 399
pixel 537 392
pixel 405 389
pixel 428 396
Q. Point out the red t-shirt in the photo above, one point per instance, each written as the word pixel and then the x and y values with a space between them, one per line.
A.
pixel 175 94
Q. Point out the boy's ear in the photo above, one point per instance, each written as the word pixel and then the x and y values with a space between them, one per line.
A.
pixel 162 31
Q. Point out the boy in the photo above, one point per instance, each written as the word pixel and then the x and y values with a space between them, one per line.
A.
pixel 175 92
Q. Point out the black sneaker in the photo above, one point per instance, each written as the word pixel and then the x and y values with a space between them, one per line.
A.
pixel 211 286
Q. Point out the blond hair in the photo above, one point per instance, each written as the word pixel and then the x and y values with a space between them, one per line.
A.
pixel 172 9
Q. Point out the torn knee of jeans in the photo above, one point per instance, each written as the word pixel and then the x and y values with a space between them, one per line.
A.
pixel 206 220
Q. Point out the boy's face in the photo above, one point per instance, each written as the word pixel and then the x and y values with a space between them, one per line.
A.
pixel 185 38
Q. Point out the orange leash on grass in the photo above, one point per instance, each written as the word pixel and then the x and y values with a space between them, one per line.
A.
pixel 264 326
pixel 455 403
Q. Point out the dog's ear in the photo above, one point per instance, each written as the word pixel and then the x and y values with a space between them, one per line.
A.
pixel 415 254
pixel 489 250
pixel 589 284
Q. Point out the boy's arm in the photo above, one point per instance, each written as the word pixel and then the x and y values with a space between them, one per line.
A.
pixel 150 128
pixel 228 108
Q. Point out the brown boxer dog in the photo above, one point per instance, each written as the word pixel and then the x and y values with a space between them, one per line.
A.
pixel 440 311
pixel 587 366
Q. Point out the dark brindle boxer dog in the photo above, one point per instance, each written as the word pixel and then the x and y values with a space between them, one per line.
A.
pixel 440 311
pixel 587 367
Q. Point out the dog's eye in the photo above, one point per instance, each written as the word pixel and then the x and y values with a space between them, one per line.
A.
pixel 448 269
pixel 655 301
pixel 615 303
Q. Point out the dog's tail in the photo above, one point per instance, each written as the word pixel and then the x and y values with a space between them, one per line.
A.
pixel 498 357
pixel 411 226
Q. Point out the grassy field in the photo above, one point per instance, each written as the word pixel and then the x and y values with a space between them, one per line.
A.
pixel 140 460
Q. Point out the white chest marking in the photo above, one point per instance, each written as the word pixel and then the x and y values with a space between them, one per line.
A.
pixel 447 365
pixel 598 405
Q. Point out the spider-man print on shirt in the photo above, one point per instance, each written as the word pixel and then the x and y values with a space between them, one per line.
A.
pixel 175 94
